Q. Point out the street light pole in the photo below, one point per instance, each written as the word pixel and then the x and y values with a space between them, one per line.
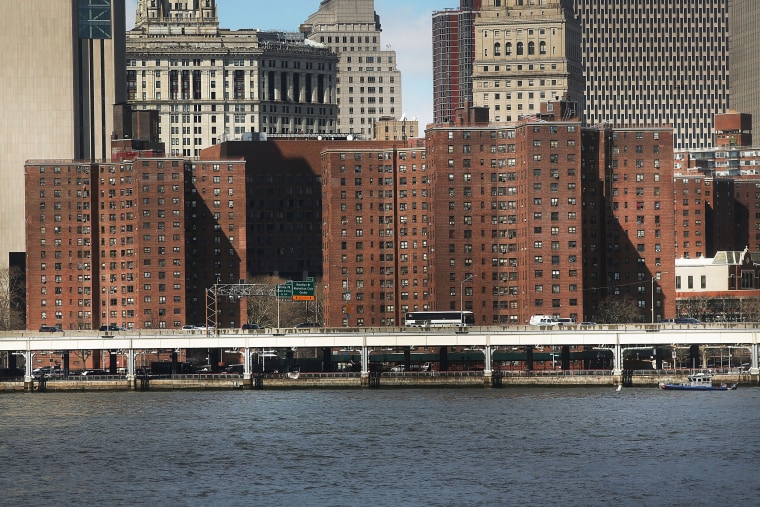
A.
pixel 468 278
pixel 108 309
pixel 111 290
pixel 655 277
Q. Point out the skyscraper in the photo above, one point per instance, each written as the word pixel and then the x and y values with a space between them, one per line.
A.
pixel 369 83
pixel 745 56
pixel 654 64
pixel 643 65
pixel 526 53
pixel 63 72
pixel 453 48
pixel 211 84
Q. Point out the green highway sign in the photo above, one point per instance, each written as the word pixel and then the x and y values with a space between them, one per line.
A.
pixel 303 290
pixel 285 290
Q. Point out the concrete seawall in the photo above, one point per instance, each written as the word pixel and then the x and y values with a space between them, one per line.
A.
pixel 355 381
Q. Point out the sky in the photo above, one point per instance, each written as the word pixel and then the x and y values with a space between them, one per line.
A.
pixel 406 28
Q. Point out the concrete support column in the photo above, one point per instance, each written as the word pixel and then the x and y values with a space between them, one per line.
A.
pixel 247 363
pixel 617 360
pixel 130 364
pixel 487 352
pixel 28 367
pixel 754 369
pixel 365 360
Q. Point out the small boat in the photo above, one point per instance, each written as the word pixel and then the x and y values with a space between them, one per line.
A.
pixel 698 382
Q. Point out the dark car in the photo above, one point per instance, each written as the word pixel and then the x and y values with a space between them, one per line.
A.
pixel 307 324
pixel 251 326
pixel 112 327
pixel 686 320
pixel 11 373
pixel 49 329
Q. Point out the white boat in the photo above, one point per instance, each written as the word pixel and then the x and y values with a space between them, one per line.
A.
pixel 701 381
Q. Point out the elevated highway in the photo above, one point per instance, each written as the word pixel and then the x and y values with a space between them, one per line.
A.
pixel 615 338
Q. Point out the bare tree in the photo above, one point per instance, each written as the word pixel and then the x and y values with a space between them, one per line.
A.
pixel 12 299
pixel 84 355
pixel 263 310
pixel 750 310
pixel 617 310
pixel 695 307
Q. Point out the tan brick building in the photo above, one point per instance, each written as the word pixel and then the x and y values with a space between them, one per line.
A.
pixel 210 84
pixel 525 54
pixel 368 83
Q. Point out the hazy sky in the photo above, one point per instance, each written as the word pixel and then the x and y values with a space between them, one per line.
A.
pixel 406 28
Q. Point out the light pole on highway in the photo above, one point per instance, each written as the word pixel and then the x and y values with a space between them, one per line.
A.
pixel 655 277
pixel 468 278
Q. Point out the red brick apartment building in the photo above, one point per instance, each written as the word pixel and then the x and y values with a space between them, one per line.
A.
pixel 132 243
pixel 691 215
pixel 376 233
pixel 351 212
pixel 639 218
pixel 541 217
pixel 508 219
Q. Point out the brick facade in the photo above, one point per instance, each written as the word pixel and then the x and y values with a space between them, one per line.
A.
pixel 133 244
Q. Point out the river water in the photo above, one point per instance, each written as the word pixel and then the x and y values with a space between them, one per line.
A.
pixel 433 447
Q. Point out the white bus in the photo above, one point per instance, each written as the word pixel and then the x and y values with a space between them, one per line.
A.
pixel 440 319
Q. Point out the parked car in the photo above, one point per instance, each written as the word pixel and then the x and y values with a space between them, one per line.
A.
pixel 49 329
pixel 250 326
pixel 543 320
pixel 95 371
pixel 686 320
pixel 198 327
pixel 11 373
pixel 112 327
pixel 46 371
pixel 234 368
pixel 307 324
